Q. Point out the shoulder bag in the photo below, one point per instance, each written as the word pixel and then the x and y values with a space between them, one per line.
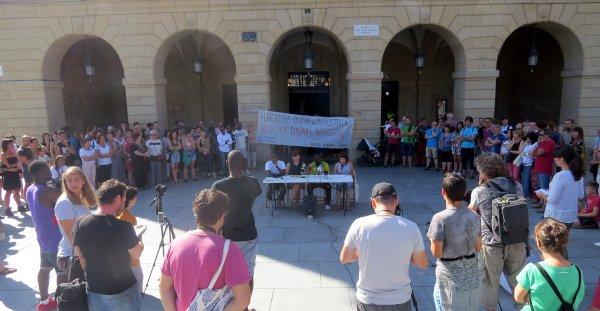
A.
pixel 72 296
pixel 209 299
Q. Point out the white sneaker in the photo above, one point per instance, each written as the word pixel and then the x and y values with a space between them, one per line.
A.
pixel 327 207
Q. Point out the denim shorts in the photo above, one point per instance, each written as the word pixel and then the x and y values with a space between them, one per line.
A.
pixel 407 306
pixel 48 260
pixel 128 300
pixel 406 149
pixel 175 157
pixel 248 249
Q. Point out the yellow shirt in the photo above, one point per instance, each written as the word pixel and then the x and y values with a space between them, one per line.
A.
pixel 127 216
pixel 312 168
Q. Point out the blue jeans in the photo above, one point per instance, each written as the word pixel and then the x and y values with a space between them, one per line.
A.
pixel 544 181
pixel 155 173
pixel 526 180
pixel 129 300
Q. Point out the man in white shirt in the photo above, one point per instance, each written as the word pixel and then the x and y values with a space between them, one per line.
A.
pixel 241 139
pixel 275 168
pixel 155 149
pixel 225 141
pixel 384 246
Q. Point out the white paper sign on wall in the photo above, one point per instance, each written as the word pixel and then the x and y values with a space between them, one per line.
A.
pixel 366 30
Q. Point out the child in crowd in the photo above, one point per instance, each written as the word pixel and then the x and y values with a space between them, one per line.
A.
pixel 58 169
pixel 42 155
pixel 126 215
pixel 589 216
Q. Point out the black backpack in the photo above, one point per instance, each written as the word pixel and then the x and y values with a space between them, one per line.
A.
pixel 564 306
pixel 509 214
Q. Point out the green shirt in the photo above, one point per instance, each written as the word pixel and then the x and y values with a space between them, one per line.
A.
pixel 542 295
pixel 407 128
pixel 312 168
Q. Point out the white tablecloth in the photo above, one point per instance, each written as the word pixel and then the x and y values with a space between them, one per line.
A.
pixel 308 179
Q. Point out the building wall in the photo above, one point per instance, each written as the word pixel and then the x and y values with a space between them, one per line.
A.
pixel 35 35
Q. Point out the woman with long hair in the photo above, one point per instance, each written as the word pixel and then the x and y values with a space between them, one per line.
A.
pixel 189 156
pixel 446 148
pixel 296 167
pixel 75 202
pixel 173 147
pixel 456 148
pixel 577 141
pixel 203 143
pixel 128 147
pixel 566 188
pixel 47 144
pixel 105 152
pixel 515 147
pixel 533 288
pixel 140 162
pixel 10 174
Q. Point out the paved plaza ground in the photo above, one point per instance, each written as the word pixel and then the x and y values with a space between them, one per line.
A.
pixel 297 265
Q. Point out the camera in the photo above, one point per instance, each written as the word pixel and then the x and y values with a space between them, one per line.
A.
pixel 160 190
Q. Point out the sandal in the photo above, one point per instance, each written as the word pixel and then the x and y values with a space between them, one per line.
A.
pixel 7 270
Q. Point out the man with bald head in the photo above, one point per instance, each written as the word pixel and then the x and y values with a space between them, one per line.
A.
pixel 239 224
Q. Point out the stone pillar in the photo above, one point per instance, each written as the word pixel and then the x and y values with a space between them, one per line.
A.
pixel 474 93
pixel 146 100
pixel 580 92
pixel 253 95
pixel 55 106
pixel 364 105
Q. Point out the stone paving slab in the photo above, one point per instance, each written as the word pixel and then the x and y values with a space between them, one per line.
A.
pixel 297 263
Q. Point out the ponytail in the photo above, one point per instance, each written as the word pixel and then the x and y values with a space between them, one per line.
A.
pixel 572 158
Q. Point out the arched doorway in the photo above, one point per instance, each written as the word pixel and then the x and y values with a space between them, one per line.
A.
pixel 425 92
pixel 92 83
pixel 321 90
pixel 199 70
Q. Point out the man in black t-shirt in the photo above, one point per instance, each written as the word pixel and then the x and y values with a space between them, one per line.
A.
pixel 105 246
pixel 239 223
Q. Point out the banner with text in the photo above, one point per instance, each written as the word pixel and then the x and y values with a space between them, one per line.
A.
pixel 277 128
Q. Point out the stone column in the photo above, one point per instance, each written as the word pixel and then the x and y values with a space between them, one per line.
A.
pixel 146 100
pixel 474 93
pixel 364 104
pixel 55 106
pixel 580 92
pixel 253 95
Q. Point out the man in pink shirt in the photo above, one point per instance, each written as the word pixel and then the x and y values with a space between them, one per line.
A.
pixel 193 258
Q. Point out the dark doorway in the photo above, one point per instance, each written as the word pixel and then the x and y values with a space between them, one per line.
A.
pixel 230 103
pixel 309 93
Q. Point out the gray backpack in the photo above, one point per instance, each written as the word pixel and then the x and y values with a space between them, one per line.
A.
pixel 510 215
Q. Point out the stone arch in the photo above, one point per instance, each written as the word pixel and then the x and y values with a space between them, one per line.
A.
pixel 68 101
pixel 210 96
pixel 555 83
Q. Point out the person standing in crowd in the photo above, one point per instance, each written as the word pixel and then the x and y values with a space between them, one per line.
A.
pixel 205 165
pixel 62 147
pixel 140 163
pixel 495 140
pixel 577 141
pixel 296 167
pixel 193 258
pixel 497 257
pixel 42 200
pixel 174 147
pixel 455 236
pixel 58 169
pixel 128 152
pixel 565 134
pixel 456 143
pixel 317 167
pixel 240 136
pixel 155 151
pixel 407 142
pixel 117 169
pixel 531 144
pixel 468 138
pixel 344 167
pixel 432 135
pixel 239 225
pixel 566 188
pixel 225 141
pixel 483 134
pixel 126 215
pixel 515 148
pixel 384 246
pixel 26 156
pixel 105 246
pixel 505 126
pixel 88 158
pixel 420 143
pixel 75 202
pixel 539 282
pixel 11 179
pixel 595 159
pixel 446 145
pixel 589 215
pixel 542 166
pixel 189 156
pixel 104 151
pixel 251 148
pixel 392 149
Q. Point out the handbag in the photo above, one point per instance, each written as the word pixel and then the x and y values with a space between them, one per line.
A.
pixel 72 296
pixel 209 299
pixel 518 160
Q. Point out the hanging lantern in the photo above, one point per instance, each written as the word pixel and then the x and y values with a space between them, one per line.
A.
pixel 198 67
pixel 420 60
pixel 89 67
pixel 309 55
pixel 533 59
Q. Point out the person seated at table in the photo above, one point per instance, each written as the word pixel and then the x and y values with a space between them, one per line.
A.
pixel 318 166
pixel 275 168
pixel 343 167
pixel 295 167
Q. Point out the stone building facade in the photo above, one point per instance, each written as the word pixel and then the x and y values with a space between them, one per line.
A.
pixel 147 39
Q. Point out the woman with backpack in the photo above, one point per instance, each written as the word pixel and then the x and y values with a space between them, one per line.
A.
pixel 554 283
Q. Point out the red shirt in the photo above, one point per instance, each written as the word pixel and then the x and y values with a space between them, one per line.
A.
pixel 393 131
pixel 591 202
pixel 543 163
pixel 193 259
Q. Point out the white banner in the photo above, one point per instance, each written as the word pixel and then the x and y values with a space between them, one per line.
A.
pixel 277 128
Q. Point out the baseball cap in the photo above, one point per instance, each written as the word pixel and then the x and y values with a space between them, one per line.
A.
pixel 383 188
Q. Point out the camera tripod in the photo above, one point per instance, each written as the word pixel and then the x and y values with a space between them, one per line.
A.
pixel 165 226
